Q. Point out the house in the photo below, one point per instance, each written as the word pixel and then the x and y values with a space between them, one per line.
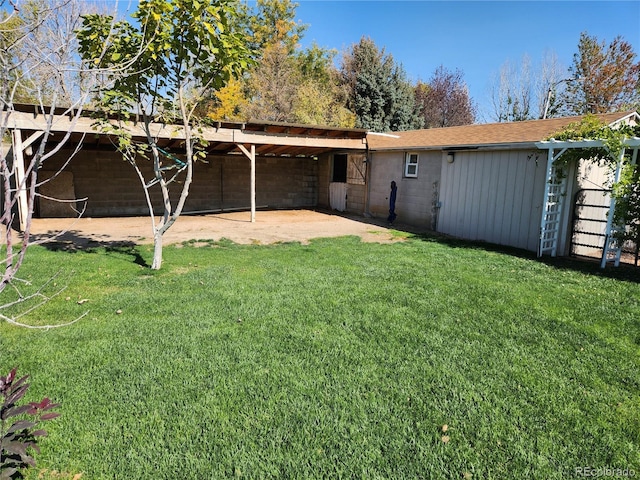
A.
pixel 485 182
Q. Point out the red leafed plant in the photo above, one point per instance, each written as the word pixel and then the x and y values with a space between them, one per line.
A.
pixel 18 435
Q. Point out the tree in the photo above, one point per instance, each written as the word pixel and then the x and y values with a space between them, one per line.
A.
pixel 526 91
pixel 603 78
pixel 273 85
pixel 38 64
pixel 229 103
pixel 548 85
pixel 379 92
pixel 160 69
pixel 511 95
pixel 287 84
pixel 445 100
pixel 40 43
pixel 300 88
pixel 274 22
pixel 320 99
pixel 319 104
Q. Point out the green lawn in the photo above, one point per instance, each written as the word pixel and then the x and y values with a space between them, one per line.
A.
pixel 338 359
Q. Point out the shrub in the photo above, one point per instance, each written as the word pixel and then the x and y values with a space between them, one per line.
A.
pixel 18 434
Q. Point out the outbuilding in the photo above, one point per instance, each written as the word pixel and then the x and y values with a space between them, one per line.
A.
pixel 491 182
pixel 248 166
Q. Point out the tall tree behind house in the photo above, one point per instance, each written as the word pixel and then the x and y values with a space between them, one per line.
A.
pixel 379 93
pixel 445 100
pixel 604 78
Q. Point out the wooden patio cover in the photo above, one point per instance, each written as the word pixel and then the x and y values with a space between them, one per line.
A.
pixel 72 129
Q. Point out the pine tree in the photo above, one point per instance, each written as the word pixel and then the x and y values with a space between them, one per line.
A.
pixel 379 92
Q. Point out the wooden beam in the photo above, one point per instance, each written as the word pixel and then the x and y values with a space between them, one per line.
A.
pixel 32 138
pixel 298 140
pixel 553 144
pixel 28 121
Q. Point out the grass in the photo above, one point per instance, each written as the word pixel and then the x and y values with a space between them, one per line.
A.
pixel 337 359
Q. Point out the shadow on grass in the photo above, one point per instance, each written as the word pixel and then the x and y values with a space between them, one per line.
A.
pixel 585 265
pixel 72 241
pixel 588 266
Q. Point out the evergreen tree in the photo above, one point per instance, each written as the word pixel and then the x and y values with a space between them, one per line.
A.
pixel 379 93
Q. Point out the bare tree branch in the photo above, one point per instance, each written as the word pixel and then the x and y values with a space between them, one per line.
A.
pixel 39 65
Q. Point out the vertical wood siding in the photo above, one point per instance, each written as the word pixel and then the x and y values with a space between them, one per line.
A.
pixel 493 196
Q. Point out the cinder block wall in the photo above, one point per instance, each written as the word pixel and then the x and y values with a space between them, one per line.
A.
pixel 223 182
pixel 417 198
pixel 324 178
pixel 356 194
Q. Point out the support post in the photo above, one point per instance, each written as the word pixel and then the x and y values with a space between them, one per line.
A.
pixel 21 184
pixel 609 240
pixel 251 154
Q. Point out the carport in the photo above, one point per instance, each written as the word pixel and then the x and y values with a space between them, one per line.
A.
pixel 239 141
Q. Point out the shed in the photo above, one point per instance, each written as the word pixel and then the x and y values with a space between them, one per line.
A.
pixel 486 182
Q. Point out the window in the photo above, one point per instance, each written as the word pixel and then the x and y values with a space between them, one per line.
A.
pixel 411 165
pixel 339 168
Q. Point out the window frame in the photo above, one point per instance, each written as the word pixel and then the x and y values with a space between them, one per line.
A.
pixel 408 164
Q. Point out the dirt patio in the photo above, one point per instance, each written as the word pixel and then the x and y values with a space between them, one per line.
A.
pixel 270 227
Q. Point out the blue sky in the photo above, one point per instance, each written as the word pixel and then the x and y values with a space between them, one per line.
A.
pixel 476 37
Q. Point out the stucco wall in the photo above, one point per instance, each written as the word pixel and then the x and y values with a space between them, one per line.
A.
pixel 416 201
pixel 112 188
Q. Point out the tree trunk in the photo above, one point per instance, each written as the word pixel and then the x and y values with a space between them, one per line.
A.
pixel 157 250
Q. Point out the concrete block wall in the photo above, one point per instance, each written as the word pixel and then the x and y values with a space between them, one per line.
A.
pixel 106 180
pixel 356 194
pixel 324 178
pixel 285 182
pixel 417 198
pixel 223 182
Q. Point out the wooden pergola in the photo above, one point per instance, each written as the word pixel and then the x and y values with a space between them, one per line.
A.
pixel 554 213
pixel 28 124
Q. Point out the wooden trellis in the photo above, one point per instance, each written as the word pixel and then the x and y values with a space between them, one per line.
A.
pixel 555 195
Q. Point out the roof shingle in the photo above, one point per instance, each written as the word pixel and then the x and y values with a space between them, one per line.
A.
pixel 482 135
